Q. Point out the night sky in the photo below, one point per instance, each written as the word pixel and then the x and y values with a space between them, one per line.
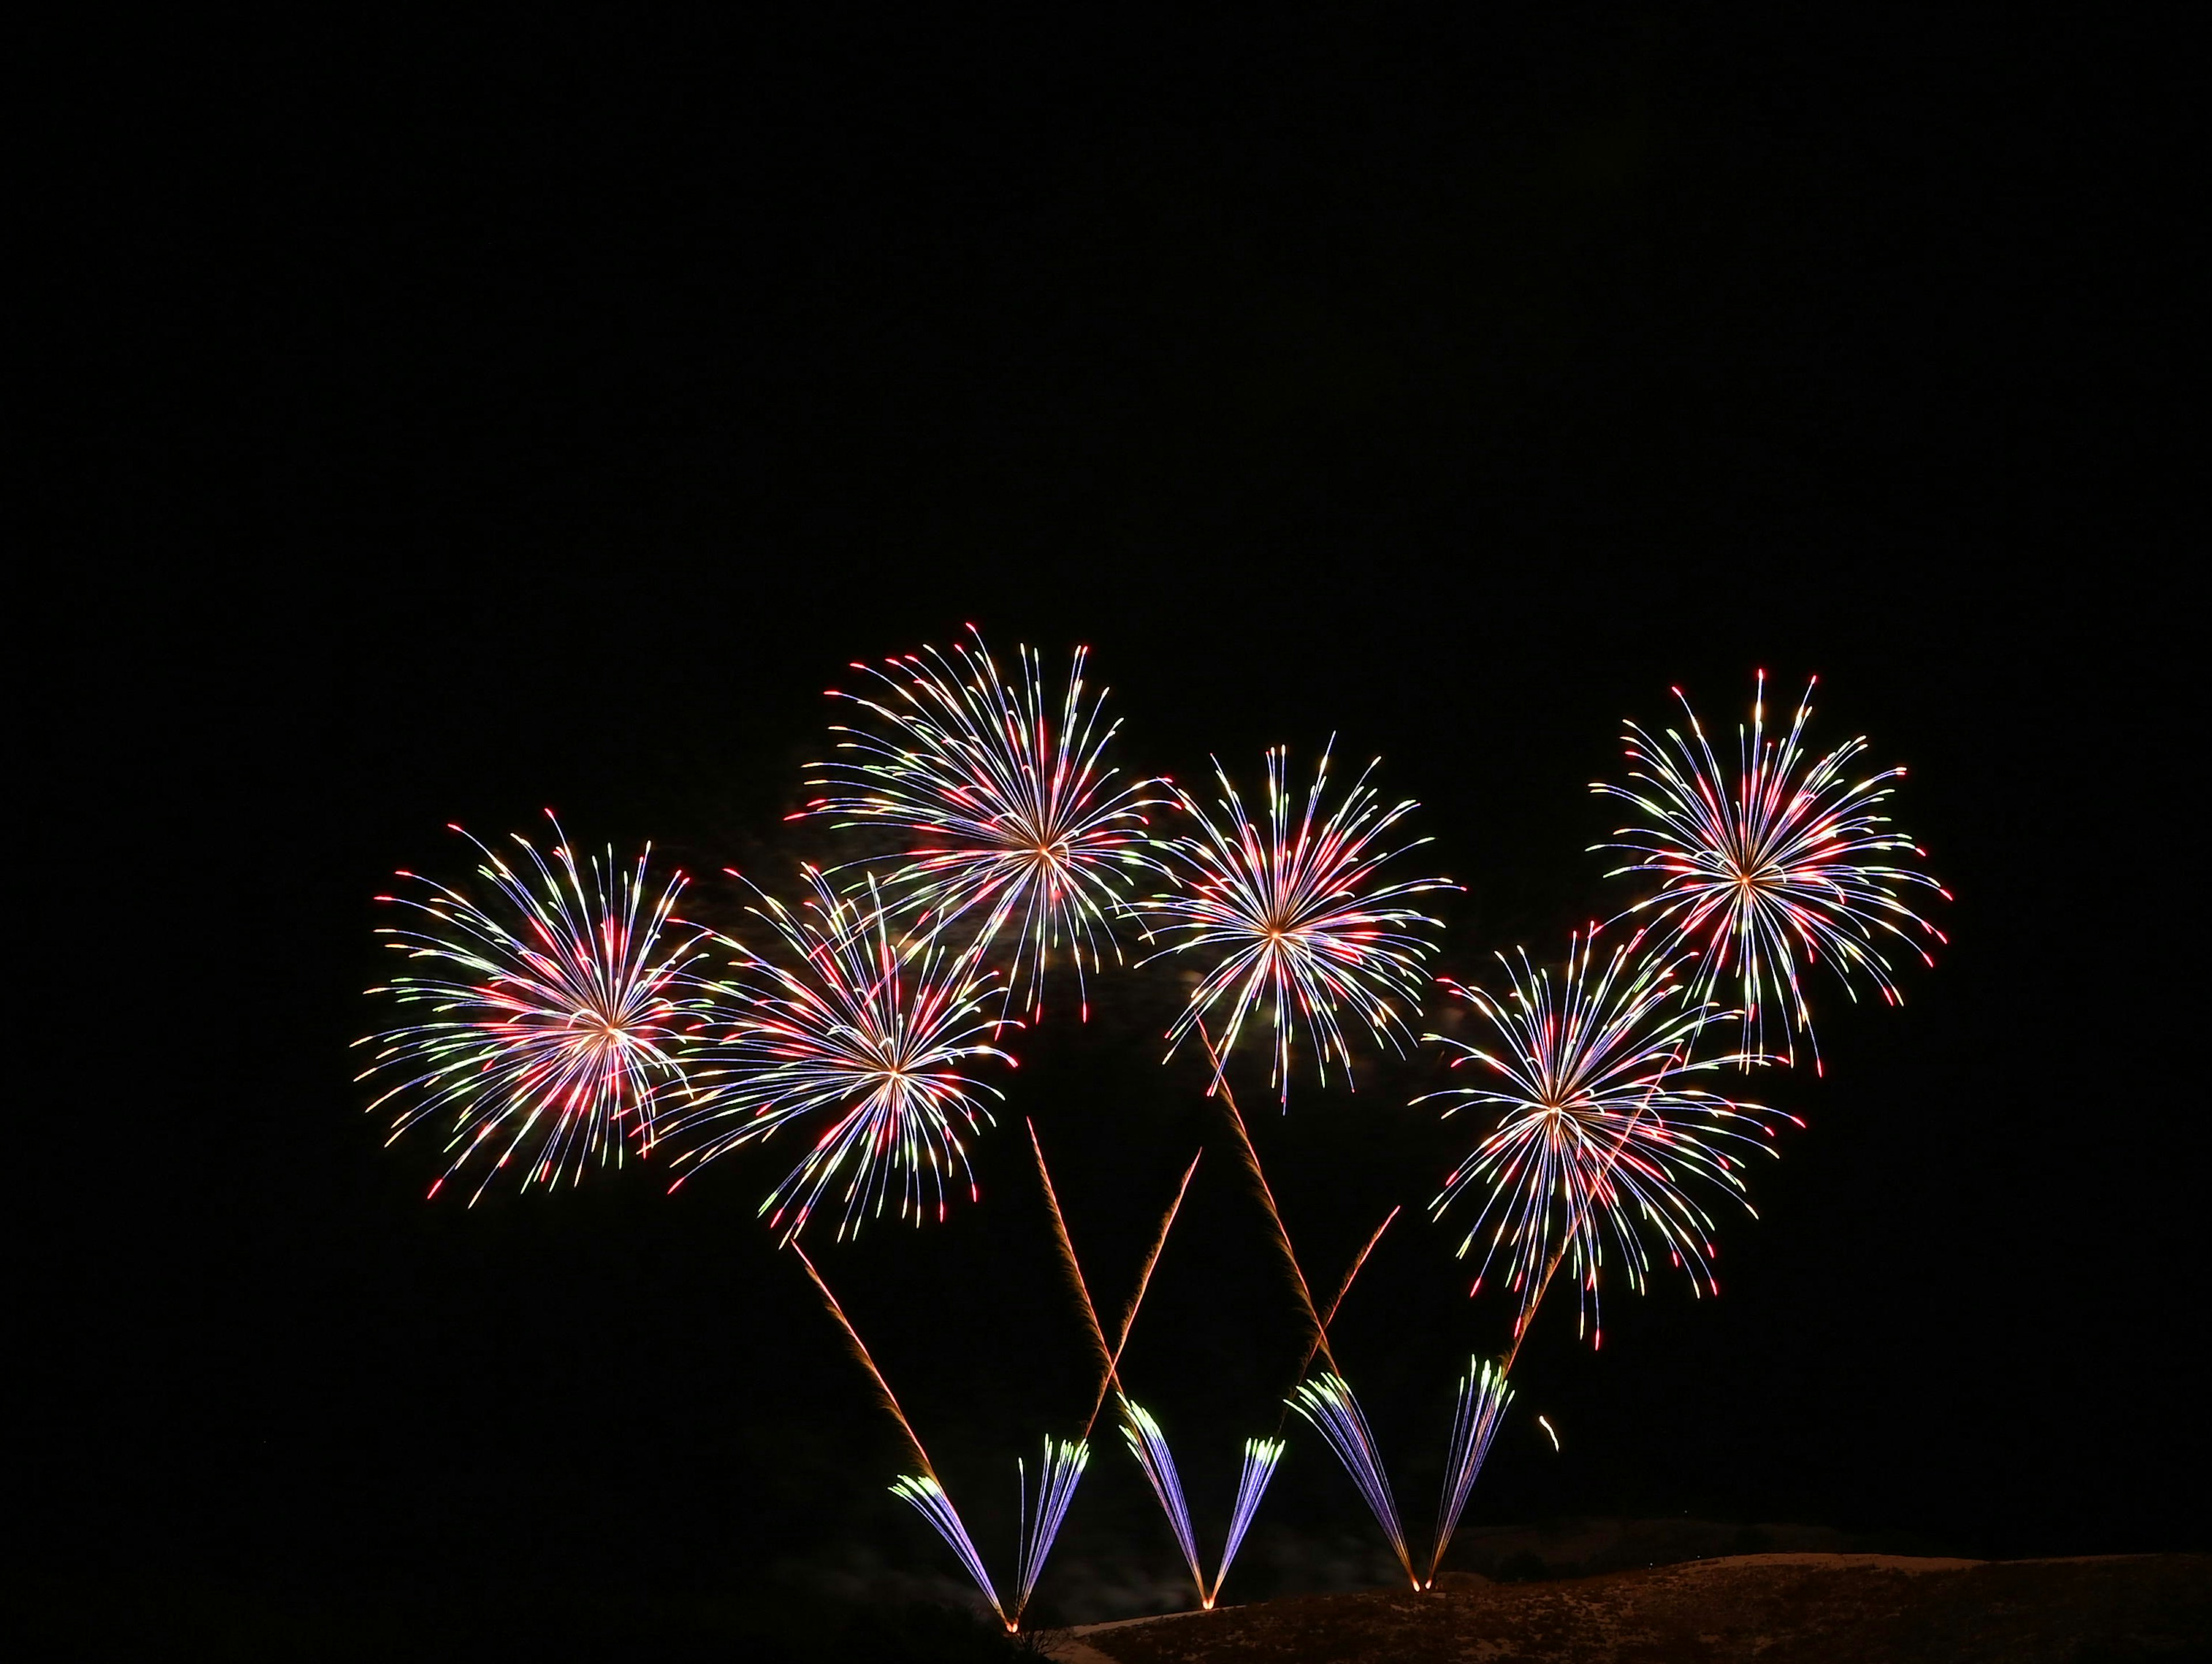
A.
pixel 577 407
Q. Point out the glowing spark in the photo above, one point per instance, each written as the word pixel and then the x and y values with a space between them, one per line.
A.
pixel 1549 1431
pixel 563 1016
pixel 1287 911
pixel 1771 866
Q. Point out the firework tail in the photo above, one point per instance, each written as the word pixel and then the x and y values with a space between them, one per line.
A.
pixel 1070 1264
pixel 1483 1396
pixel 924 1491
pixel 1064 1460
pixel 1220 1087
pixel 1327 1402
pixel 1137 1298
pixel 884 1395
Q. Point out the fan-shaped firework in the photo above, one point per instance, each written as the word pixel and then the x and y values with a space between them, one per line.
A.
pixel 1782 861
pixel 561 1014
pixel 1597 1134
pixel 1327 1402
pixel 1289 909
pixel 1019 818
pixel 1483 1396
pixel 1150 1447
pixel 875 1035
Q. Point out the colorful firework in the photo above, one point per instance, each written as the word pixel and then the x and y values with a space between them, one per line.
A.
pixel 929 1500
pixel 1020 821
pixel 562 1016
pixel 1150 1447
pixel 1597 1135
pixel 1260 1458
pixel 1788 860
pixel 1328 1403
pixel 1289 913
pixel 1483 1396
pixel 1058 1473
pixel 877 1036
pixel 1039 1521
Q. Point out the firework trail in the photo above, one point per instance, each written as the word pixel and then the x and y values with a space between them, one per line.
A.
pixel 930 1501
pixel 1260 1456
pixel 1342 1290
pixel 1137 1296
pixel 1107 1355
pixel 1061 1468
pixel 562 1013
pixel 1789 858
pixel 1596 1136
pixel 888 1399
pixel 1017 818
pixel 1483 1396
pixel 1327 1402
pixel 1287 910
pixel 873 1034
pixel 1317 1329
pixel 1150 1447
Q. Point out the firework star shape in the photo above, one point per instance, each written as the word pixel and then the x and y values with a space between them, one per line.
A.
pixel 1599 1133
pixel 1791 860
pixel 1288 910
pixel 562 1012
pixel 1021 824
pixel 873 1035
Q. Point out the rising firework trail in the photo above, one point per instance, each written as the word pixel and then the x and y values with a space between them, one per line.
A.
pixel 862 1033
pixel 1017 823
pixel 560 1014
pixel 1787 861
pixel 1597 1134
pixel 1289 917
pixel 1040 1515
pixel 1483 1396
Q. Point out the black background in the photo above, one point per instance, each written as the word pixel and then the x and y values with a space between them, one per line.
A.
pixel 574 407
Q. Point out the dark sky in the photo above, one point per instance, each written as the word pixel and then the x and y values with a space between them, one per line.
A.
pixel 577 407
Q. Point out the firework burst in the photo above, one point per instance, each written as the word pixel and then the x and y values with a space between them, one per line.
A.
pixel 872 1034
pixel 1019 822
pixel 1289 912
pixel 1791 860
pixel 1597 1134
pixel 562 1013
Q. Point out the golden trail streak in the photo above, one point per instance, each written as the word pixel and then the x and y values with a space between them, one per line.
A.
pixel 860 1351
pixel 1136 1299
pixel 1068 1259
pixel 1268 1200
pixel 1345 1287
